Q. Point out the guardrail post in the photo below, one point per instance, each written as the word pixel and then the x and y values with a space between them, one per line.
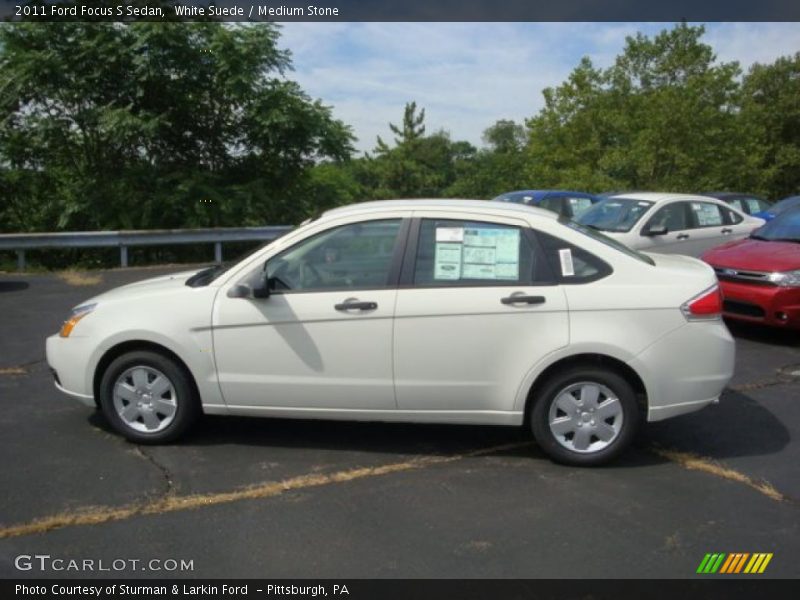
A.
pixel 20 260
pixel 218 252
pixel 123 256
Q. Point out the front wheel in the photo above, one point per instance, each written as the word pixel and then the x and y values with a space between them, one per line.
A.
pixel 585 416
pixel 148 398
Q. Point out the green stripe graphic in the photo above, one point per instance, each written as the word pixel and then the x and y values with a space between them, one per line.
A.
pixel 702 566
pixel 717 564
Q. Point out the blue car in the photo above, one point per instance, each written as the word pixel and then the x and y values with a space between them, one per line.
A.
pixel 568 204
pixel 777 208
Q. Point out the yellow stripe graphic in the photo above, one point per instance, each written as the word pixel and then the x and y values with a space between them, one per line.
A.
pixel 765 563
pixel 741 562
pixel 753 564
pixel 727 564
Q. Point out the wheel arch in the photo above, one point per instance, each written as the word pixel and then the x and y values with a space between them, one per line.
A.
pixel 131 346
pixel 593 360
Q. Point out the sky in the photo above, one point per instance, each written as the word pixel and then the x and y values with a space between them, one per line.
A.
pixel 469 75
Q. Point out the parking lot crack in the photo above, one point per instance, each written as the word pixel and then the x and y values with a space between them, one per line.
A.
pixel 694 462
pixel 172 502
pixel 165 472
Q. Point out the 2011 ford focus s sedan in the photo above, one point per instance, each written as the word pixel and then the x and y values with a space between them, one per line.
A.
pixel 446 311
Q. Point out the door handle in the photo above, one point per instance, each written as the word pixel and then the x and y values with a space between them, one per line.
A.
pixel 683 236
pixel 356 305
pixel 726 231
pixel 520 299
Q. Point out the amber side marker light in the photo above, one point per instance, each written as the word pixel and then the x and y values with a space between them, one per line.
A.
pixel 77 315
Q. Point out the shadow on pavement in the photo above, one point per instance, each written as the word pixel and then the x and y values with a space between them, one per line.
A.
pixel 764 334
pixel 738 426
pixel 13 286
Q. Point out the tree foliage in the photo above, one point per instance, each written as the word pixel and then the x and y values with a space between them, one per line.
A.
pixel 145 125
pixel 110 125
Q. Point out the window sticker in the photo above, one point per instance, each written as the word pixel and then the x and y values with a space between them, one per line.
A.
pixel 491 253
pixel 447 261
pixel 707 214
pixel 476 253
pixel 450 234
pixel 567 267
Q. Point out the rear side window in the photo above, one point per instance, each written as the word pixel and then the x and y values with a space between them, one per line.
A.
pixel 706 214
pixel 473 253
pixel 573 265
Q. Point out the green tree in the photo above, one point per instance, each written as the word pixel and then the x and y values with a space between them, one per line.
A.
pixel 418 165
pixel 664 116
pixel 771 113
pixel 108 125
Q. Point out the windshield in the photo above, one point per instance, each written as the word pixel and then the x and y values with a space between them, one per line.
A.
pixel 615 214
pixel 596 235
pixel 205 276
pixel 784 228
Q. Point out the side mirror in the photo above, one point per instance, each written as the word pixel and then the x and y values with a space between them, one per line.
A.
pixel 261 290
pixel 654 230
pixel 241 290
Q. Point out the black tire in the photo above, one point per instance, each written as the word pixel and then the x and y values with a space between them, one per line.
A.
pixel 182 394
pixel 550 392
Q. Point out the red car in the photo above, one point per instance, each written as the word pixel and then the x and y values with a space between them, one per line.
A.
pixel 760 275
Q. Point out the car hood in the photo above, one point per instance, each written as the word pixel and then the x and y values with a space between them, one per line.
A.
pixel 162 283
pixel 756 255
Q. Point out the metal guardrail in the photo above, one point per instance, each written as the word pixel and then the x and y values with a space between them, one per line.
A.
pixel 20 242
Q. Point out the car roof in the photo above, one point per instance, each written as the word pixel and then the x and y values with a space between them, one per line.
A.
pixel 455 204
pixel 730 195
pixel 536 193
pixel 659 197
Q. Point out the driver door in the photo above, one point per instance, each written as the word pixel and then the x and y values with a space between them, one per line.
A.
pixel 322 339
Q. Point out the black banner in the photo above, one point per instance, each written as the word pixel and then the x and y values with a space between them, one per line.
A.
pixel 401 10
pixel 734 588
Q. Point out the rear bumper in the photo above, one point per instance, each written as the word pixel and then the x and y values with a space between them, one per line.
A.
pixel 765 304
pixel 687 369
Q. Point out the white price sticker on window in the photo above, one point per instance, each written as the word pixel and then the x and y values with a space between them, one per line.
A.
pixel 567 268
pixel 450 234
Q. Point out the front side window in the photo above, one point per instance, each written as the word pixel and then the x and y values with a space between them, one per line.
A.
pixel 673 216
pixel 707 214
pixel 451 252
pixel 615 214
pixel 353 256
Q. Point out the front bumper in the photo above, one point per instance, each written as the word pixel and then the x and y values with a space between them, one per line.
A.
pixel 68 359
pixel 765 304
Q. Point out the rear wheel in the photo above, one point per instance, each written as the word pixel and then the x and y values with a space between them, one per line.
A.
pixel 148 398
pixel 585 416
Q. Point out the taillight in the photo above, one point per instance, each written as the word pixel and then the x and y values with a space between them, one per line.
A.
pixel 704 306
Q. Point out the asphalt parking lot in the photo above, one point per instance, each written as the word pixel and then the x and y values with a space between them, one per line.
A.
pixel 270 498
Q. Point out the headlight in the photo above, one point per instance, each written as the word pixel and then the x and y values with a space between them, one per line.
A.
pixel 786 278
pixel 76 315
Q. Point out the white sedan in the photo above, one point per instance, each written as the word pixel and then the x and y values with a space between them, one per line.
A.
pixel 446 311
pixel 669 223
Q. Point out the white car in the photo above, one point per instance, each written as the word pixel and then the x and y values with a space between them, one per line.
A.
pixel 446 311
pixel 669 223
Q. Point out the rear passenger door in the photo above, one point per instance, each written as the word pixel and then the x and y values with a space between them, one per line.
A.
pixel 710 226
pixel 476 309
